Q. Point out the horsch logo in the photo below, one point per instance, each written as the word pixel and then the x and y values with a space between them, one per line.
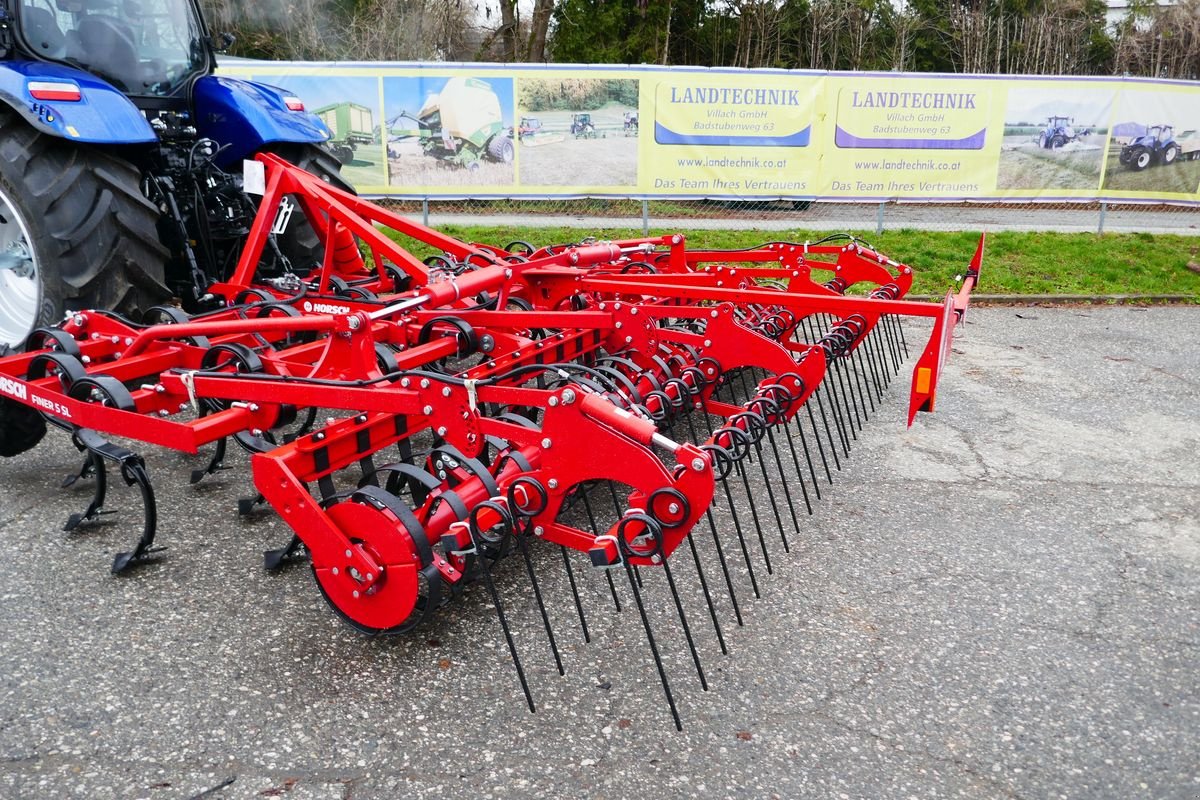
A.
pixel 13 389
pixel 326 308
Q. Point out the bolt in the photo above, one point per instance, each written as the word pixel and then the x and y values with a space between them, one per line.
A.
pixel 618 326
pixel 424 383
pixel 356 594
pixel 361 419
pixel 546 443
pixel 320 437
pixel 349 554
pixel 114 338
pixel 713 314
pixel 708 342
pixel 256 432
pixel 553 483
pixel 442 474
pixel 698 464
pixel 538 530
pixel 370 577
pixel 405 382
pixel 628 339
pixel 446 391
pixel 427 411
pixel 553 401
pixel 568 396
pixel 508 273
pixel 79 319
pixel 654 559
pixel 442 431
pixel 335 570
pixel 86 359
pixel 354 323
pixel 673 508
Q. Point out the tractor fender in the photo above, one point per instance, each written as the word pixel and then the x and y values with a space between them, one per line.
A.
pixel 246 116
pixel 102 115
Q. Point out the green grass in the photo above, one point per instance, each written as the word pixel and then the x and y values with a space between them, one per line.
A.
pixel 1014 263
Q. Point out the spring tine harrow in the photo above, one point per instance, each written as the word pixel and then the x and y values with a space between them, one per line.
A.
pixel 415 422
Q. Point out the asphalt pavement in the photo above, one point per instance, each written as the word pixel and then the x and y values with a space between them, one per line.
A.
pixel 1001 602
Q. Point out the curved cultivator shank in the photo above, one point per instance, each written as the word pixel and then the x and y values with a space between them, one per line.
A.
pixel 611 400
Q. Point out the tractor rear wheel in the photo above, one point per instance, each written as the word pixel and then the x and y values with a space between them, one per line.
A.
pixel 500 149
pixel 1057 141
pixel 75 232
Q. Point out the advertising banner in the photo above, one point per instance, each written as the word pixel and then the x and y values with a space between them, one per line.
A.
pixel 540 131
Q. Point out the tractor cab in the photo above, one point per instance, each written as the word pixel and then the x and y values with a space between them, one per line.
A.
pixel 144 48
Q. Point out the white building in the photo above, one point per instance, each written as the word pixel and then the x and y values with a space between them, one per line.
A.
pixel 1119 9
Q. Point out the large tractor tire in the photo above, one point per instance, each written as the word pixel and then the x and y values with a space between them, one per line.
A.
pixel 1057 141
pixel 500 149
pixel 1170 154
pixel 299 242
pixel 75 232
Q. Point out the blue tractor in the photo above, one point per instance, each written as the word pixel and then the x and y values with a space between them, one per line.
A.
pixel 121 160
pixel 1156 146
pixel 1058 131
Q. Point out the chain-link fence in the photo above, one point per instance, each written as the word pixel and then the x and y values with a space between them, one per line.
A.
pixel 781 215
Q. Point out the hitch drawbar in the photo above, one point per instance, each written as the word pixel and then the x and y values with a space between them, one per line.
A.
pixel 414 421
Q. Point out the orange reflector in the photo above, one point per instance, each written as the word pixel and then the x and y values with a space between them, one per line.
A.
pixel 60 91
pixel 924 374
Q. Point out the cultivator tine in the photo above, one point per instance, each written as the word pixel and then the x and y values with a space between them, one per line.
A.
pixel 639 388
pixel 275 560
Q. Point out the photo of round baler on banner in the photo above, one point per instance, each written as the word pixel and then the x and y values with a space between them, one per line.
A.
pixel 449 131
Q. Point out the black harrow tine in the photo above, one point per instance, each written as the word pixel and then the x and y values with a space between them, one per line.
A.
pixel 523 546
pixel 903 338
pixel 762 463
pixel 854 359
pixel 851 407
pixel 817 434
pixel 799 472
pixel 829 386
pixel 486 569
pixel 687 630
pixel 856 366
pixel 587 506
pixel 737 611
pixel 901 355
pixel 712 609
pixel 893 347
pixel 662 673
pixel 783 478
pixel 758 524
pixel 878 365
pixel 846 365
pixel 587 638
pixel 737 526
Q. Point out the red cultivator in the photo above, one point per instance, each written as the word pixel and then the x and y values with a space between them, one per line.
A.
pixel 613 399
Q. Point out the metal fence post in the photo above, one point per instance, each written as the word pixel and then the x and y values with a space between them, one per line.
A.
pixel 645 217
pixel 425 211
pixel 879 220
pixel 1103 214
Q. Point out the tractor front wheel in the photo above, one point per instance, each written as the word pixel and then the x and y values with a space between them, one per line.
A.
pixel 75 232
pixel 1170 154
pixel 1140 158
pixel 1057 141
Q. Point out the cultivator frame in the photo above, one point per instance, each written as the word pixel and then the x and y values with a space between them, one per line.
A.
pixel 515 388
